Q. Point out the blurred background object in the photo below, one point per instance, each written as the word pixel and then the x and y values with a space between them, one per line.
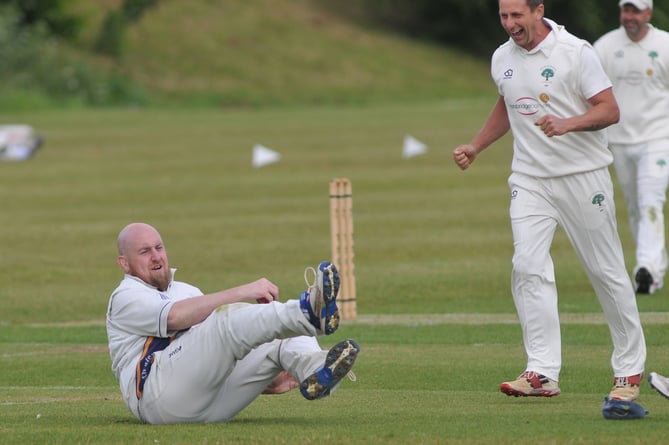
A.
pixel 18 142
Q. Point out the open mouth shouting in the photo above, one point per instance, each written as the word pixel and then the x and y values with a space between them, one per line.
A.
pixel 517 35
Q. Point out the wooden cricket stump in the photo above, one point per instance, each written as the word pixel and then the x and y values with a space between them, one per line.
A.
pixel 341 230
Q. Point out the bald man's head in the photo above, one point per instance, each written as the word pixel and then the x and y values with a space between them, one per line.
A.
pixel 141 253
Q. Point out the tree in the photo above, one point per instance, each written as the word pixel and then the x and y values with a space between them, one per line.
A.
pixel 473 25
pixel 50 14
pixel 110 39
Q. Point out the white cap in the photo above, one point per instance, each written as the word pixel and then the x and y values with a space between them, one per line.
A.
pixel 639 4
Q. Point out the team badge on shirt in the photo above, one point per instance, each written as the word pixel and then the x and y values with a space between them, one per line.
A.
pixel 653 55
pixel 547 73
pixel 598 199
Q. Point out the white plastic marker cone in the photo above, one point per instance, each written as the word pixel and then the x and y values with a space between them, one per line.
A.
pixel 413 147
pixel 263 156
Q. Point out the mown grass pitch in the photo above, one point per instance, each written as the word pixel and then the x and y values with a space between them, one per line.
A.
pixel 434 383
pixel 429 239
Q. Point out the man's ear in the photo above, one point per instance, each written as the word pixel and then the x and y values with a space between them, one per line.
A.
pixel 123 263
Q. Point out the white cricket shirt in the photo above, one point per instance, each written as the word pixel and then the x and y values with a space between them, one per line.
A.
pixel 557 77
pixel 137 311
pixel 640 75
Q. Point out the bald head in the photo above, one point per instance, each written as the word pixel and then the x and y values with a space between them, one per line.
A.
pixel 141 253
pixel 130 233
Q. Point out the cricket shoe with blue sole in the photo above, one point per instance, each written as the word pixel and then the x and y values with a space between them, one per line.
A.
pixel 338 364
pixel 319 301
pixel 615 409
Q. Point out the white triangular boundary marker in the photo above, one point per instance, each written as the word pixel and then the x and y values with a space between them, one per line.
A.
pixel 412 147
pixel 263 156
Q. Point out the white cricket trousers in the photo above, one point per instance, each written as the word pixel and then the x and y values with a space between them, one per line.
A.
pixel 217 368
pixel 643 174
pixel 582 204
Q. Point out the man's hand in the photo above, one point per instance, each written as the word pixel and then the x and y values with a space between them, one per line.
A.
pixel 552 126
pixel 284 382
pixel 262 291
pixel 464 155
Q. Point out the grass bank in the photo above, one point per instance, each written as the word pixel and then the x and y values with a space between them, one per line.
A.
pixel 255 53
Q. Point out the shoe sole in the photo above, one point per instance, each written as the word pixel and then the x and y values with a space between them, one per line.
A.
pixel 510 391
pixel 643 280
pixel 650 382
pixel 329 314
pixel 339 361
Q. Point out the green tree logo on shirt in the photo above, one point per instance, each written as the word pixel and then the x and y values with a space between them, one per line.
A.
pixel 661 163
pixel 653 55
pixel 598 199
pixel 547 74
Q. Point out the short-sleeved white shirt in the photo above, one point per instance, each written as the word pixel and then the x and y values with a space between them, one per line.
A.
pixel 557 77
pixel 135 312
pixel 640 75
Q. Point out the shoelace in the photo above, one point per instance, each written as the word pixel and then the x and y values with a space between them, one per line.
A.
pixel 306 279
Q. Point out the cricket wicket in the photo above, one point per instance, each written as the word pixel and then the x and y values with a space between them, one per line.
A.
pixel 341 230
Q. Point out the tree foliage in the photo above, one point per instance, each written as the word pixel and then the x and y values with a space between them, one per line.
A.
pixel 110 38
pixel 37 69
pixel 49 14
pixel 473 25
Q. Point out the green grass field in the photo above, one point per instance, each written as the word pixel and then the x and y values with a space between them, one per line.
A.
pixel 429 240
